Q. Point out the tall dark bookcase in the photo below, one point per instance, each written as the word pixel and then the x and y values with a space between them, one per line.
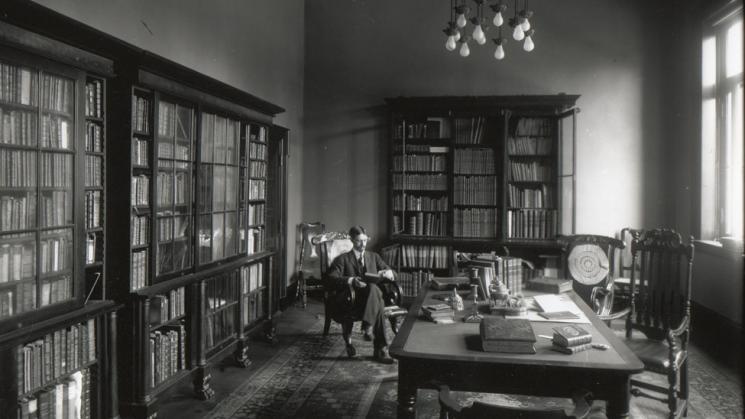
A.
pixel 197 271
pixel 478 174
pixel 57 330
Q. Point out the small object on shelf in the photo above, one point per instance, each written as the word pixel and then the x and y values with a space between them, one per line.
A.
pixel 552 285
pixel 507 335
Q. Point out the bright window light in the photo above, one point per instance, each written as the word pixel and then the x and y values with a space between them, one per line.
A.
pixel 709 62
pixel 734 49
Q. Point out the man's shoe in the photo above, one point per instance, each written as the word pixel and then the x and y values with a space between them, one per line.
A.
pixel 381 355
pixel 351 352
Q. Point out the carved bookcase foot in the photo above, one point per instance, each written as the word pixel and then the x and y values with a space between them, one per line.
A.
pixel 241 355
pixel 202 389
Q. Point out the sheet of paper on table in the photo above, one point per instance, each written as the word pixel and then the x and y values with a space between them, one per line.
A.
pixel 552 303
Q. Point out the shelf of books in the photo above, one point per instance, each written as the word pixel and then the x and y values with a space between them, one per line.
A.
pixel 95 192
pixel 255 140
pixel 532 212
pixel 140 194
pixel 416 264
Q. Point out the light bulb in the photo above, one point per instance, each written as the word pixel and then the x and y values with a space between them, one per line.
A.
pixel 525 25
pixel 464 50
pixel 461 21
pixel 498 19
pixel 518 33
pixel 478 33
pixel 499 53
pixel 450 44
pixel 457 35
pixel 482 40
pixel 528 45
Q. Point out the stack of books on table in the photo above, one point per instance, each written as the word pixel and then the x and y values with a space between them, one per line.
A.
pixel 570 339
pixel 439 313
pixel 552 285
pixel 507 335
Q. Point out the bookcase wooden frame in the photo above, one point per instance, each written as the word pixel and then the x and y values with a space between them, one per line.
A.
pixel 470 120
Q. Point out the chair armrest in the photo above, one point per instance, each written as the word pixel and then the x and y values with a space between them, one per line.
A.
pixel 678 331
pixel 615 316
pixel 447 402
pixel 582 403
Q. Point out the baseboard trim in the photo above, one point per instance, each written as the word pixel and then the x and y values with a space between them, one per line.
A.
pixel 718 336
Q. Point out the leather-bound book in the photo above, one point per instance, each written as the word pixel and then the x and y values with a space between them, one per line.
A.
pixel 507 335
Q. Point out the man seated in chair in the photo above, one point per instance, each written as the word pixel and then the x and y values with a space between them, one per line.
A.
pixel 348 270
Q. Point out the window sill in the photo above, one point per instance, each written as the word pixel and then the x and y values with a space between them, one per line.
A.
pixel 716 248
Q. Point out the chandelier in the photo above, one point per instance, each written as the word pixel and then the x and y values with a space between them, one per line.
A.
pixel 461 14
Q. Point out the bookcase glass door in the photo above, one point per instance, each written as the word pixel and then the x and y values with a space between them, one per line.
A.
pixel 175 142
pixel 256 194
pixel 218 187
pixel 37 160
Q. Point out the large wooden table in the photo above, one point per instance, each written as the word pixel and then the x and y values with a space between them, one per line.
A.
pixel 430 354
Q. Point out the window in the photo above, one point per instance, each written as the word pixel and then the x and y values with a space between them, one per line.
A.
pixel 722 126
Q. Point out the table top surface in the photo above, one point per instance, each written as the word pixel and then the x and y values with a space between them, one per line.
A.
pixel 421 339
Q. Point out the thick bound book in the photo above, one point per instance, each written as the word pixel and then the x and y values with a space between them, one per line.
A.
pixel 442 283
pixel 571 349
pixel 571 335
pixel 435 312
pixel 507 335
pixel 551 285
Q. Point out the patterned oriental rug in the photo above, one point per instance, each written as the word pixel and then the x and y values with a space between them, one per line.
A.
pixel 311 377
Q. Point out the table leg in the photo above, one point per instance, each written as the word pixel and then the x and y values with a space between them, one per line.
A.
pixel 618 404
pixel 406 393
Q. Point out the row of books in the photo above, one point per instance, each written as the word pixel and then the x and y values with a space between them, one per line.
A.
pixel 534 127
pixel 251 277
pixel 419 203
pixel 256 214
pixel 257 169
pixel 421 148
pixel 420 163
pixel 140 225
pixel 475 222
pixel 18 84
pixel 139 270
pixel 542 197
pixel 57 93
pixel 257 151
pixel 424 224
pixel 532 223
pixel 93 137
pixel 219 139
pixel 435 182
pixel 17 168
pixel 257 133
pixel 94 98
pixel 69 399
pixel 178 151
pixel 170 228
pixel 164 307
pixel 411 282
pixel 55 208
pixel 474 161
pixel 220 326
pixel 56 132
pixel 424 256
pixel 18 127
pixel 475 190
pixel 44 360
pixel 93 209
pixel 469 130
pixel 252 307
pixel 221 291
pixel 255 240
pixel 56 170
pixel 17 213
pixel 55 252
pixel 140 114
pixel 173 122
pixel 173 188
pixel 432 128
pixel 139 152
pixel 530 171
pixel 140 190
pixel 93 171
pixel 256 189
pixel 16 262
pixel 570 339
pixel 507 269
pixel 18 299
pixel 56 290
pixel 167 353
pixel 529 146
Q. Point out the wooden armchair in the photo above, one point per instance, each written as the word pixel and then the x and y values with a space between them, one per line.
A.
pixel 623 280
pixel 450 409
pixel 661 309
pixel 330 245
pixel 589 261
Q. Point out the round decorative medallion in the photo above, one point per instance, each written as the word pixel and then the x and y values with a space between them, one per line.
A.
pixel 588 264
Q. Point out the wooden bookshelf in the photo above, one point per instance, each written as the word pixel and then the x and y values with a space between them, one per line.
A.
pixel 478 174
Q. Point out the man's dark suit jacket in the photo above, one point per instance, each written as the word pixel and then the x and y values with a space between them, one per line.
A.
pixel 346 265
